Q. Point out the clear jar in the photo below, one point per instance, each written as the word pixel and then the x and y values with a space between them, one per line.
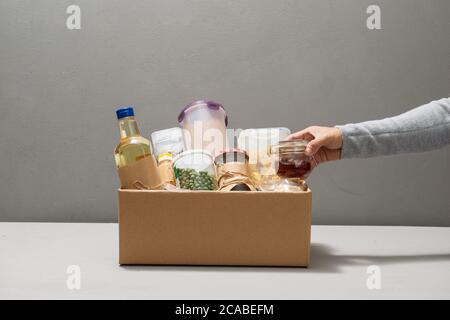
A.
pixel 257 143
pixel 231 155
pixel 194 170
pixel 168 141
pixel 291 164
pixel 232 171
pixel 204 124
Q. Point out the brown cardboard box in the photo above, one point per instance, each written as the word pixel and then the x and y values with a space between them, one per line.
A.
pixel 214 228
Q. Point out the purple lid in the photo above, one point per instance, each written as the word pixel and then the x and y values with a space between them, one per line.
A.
pixel 213 105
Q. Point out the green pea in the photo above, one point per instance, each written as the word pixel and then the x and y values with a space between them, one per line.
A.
pixel 193 180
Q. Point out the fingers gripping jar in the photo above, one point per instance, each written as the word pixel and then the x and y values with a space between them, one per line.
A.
pixel 291 164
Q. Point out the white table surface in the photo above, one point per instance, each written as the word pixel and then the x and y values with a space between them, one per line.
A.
pixel 414 263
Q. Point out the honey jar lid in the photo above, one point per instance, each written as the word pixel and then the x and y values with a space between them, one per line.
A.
pixel 288 146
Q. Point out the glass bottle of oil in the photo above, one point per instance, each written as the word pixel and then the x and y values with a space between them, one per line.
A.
pixel 132 146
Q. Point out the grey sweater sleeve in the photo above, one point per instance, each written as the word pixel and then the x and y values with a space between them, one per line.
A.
pixel 422 129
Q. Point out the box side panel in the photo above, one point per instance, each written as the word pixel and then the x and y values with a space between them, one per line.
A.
pixel 204 228
pixel 307 226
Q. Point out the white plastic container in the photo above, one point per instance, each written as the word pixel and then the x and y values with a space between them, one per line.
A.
pixel 261 138
pixel 168 141
pixel 194 170
pixel 204 124
pixel 257 143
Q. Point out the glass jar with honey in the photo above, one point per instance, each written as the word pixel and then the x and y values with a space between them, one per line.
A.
pixel 291 164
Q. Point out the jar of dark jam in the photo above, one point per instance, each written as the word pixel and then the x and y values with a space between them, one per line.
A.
pixel 290 161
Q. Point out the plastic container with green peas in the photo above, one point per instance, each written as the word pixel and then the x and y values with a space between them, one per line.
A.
pixel 194 170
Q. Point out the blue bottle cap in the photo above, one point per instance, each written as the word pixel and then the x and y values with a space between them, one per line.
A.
pixel 125 112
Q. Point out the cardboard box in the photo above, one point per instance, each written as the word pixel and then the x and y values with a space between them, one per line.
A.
pixel 214 228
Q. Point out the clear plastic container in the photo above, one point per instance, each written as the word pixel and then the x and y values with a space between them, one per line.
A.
pixel 257 143
pixel 194 170
pixel 168 141
pixel 204 124
pixel 291 164
pixel 232 171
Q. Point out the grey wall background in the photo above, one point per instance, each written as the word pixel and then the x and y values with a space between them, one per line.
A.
pixel 271 63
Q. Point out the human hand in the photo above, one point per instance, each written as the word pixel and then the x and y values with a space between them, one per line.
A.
pixel 325 143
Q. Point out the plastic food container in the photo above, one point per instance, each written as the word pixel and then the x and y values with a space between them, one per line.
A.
pixel 204 124
pixel 291 164
pixel 232 171
pixel 257 143
pixel 168 141
pixel 194 170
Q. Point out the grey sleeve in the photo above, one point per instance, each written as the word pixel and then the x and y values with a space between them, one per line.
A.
pixel 422 129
